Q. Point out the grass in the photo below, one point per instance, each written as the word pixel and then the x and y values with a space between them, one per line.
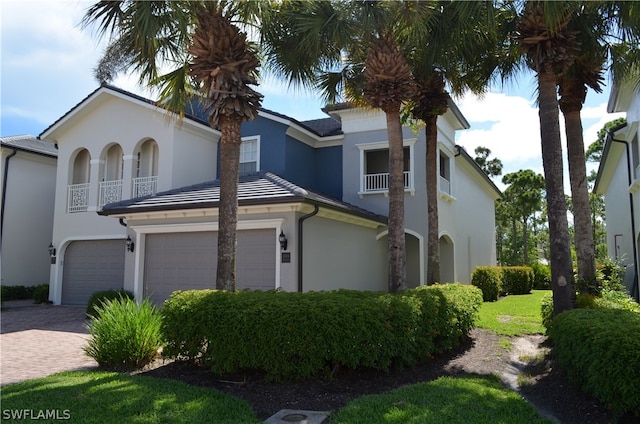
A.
pixel 472 400
pixel 104 397
pixel 514 315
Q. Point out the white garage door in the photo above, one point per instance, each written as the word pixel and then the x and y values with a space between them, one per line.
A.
pixel 184 261
pixel 91 266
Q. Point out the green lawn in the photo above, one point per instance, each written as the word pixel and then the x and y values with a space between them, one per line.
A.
pixel 513 315
pixel 104 397
pixel 471 400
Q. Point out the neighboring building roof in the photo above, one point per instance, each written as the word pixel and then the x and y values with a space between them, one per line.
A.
pixel 195 112
pixel 259 188
pixel 29 143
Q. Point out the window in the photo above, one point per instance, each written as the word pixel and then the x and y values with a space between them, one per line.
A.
pixel 250 155
pixel 374 167
pixel 445 173
pixel 635 154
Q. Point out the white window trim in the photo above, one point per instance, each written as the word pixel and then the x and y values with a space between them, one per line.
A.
pixel 364 147
pixel 442 149
pixel 251 138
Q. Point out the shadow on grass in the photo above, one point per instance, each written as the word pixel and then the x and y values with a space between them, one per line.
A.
pixel 103 397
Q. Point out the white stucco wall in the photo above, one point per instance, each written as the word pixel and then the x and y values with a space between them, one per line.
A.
pixel 28 218
pixel 338 255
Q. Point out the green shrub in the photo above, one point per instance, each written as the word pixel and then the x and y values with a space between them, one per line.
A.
pixel 489 280
pixel 517 280
pixel 599 350
pixel 124 335
pixel 547 310
pixel 98 298
pixel 541 276
pixel 15 293
pixel 40 293
pixel 293 336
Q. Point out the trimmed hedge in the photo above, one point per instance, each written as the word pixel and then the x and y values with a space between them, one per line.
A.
pixel 599 349
pixel 517 280
pixel 294 336
pixel 541 276
pixel 489 280
pixel 39 293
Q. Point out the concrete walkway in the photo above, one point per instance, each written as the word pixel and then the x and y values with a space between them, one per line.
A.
pixel 39 340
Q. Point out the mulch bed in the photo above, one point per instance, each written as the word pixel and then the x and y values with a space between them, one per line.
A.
pixel 480 353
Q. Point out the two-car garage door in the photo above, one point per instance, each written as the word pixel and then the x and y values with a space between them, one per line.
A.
pixel 183 261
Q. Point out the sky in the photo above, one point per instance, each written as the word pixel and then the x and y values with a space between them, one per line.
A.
pixel 47 62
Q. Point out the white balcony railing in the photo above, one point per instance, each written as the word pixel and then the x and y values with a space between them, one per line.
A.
pixel 144 186
pixel 110 191
pixel 78 198
pixel 380 182
pixel 445 185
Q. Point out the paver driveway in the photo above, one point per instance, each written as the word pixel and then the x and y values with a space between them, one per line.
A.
pixel 39 340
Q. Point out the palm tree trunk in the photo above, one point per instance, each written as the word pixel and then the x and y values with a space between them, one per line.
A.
pixel 585 247
pixel 433 236
pixel 396 239
pixel 559 241
pixel 525 242
pixel 228 209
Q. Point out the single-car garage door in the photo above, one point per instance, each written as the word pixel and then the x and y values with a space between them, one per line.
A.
pixel 91 266
pixel 184 261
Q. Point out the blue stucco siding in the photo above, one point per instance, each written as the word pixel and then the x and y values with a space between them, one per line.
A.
pixel 328 171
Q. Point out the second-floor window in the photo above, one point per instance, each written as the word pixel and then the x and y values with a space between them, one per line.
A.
pixel 445 173
pixel 250 155
pixel 374 167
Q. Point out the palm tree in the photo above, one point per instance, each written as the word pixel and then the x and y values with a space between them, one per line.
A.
pixel 456 45
pixel 349 48
pixel 210 54
pixel 598 25
pixel 549 49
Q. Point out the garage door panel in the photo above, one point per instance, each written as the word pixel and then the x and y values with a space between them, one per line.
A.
pixel 91 266
pixel 183 261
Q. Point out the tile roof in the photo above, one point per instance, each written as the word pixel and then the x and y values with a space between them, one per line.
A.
pixel 259 188
pixel 31 144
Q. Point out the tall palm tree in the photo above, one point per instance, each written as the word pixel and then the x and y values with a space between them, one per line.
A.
pixel 549 49
pixel 208 53
pixel 601 27
pixel 454 45
pixel 350 49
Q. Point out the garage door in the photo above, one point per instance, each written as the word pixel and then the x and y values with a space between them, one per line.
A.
pixel 91 266
pixel 184 261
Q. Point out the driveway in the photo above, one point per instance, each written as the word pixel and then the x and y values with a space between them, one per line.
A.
pixel 39 340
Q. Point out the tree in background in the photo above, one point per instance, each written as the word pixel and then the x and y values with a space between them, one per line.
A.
pixel 522 199
pixel 491 167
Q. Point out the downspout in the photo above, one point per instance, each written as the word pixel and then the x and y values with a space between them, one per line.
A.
pixel 316 208
pixel 4 191
pixel 634 292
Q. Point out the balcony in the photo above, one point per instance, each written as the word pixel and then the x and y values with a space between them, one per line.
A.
pixel 144 186
pixel 78 198
pixel 110 191
pixel 379 183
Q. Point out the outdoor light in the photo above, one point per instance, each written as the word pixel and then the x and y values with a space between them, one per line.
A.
pixel 52 250
pixel 283 241
pixel 130 244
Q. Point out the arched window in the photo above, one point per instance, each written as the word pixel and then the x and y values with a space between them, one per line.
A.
pixel 78 190
pixel 111 184
pixel 145 181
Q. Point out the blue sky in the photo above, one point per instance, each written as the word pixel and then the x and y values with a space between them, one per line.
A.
pixel 47 62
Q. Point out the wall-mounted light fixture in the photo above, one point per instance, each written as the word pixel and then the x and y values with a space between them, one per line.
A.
pixel 283 240
pixel 52 250
pixel 130 244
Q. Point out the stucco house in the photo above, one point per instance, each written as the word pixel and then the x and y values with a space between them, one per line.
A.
pixel 619 180
pixel 28 187
pixel 137 195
